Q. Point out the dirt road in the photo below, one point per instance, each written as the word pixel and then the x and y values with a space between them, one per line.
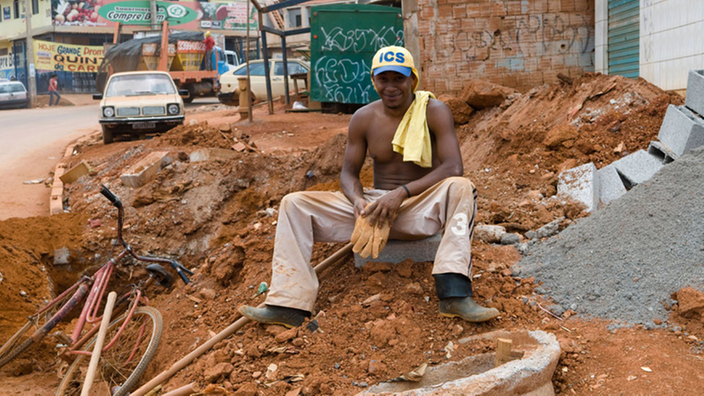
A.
pixel 32 143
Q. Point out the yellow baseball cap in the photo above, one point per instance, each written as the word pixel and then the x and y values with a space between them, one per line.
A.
pixel 396 59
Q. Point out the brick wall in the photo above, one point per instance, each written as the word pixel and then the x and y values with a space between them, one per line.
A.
pixel 516 43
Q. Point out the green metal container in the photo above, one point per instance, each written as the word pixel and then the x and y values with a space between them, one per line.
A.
pixel 343 40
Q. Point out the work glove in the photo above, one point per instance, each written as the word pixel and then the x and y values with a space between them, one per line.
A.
pixel 381 235
pixel 368 239
pixel 362 234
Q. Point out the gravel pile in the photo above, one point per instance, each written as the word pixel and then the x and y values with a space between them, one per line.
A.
pixel 624 261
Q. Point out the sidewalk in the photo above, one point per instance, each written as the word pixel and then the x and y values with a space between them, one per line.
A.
pixel 68 100
pixel 80 99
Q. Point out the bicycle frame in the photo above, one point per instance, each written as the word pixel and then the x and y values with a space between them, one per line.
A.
pixel 89 291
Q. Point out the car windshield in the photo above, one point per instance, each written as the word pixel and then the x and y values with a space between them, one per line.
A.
pixel 140 84
pixel 13 87
pixel 255 69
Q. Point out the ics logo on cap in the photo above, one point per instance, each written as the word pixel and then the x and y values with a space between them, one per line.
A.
pixel 396 59
pixel 390 56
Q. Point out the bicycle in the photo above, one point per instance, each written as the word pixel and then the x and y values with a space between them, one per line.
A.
pixel 138 329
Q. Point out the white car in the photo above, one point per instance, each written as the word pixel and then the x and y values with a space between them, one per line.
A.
pixel 13 94
pixel 139 102
pixel 229 81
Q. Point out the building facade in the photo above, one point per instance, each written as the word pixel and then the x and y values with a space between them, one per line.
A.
pixel 84 26
pixel 516 43
pixel 654 39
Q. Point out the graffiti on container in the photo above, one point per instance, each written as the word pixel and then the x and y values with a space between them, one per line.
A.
pixel 343 80
pixel 358 40
pixel 551 33
pixel 345 76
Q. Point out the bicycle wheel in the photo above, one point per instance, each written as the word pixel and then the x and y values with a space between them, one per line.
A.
pixel 38 326
pixel 123 363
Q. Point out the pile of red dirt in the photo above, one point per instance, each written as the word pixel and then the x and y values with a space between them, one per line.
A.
pixel 515 152
pixel 28 278
pixel 218 217
pixel 27 248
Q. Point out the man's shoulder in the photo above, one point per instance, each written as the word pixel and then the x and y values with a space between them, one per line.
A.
pixel 367 111
pixel 362 118
pixel 436 103
pixel 437 108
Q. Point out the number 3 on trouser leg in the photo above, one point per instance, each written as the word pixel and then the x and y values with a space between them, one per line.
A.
pixel 124 362
pixel 460 227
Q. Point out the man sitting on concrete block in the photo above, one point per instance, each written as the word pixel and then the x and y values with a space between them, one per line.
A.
pixel 419 191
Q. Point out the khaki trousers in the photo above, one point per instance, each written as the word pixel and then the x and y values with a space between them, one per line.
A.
pixel 319 216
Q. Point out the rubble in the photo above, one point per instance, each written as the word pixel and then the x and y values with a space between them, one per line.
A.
pixel 217 217
pixel 480 94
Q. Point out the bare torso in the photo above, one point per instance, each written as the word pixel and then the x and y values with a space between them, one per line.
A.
pixel 390 171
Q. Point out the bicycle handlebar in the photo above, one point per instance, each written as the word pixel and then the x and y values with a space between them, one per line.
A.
pixel 110 196
pixel 181 271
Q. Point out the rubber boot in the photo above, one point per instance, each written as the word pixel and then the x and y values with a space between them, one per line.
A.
pixel 271 314
pixel 455 294
pixel 467 309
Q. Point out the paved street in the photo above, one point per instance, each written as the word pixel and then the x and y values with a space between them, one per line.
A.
pixel 33 142
pixel 27 131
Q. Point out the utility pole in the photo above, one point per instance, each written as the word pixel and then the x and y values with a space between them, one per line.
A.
pixel 152 10
pixel 411 38
pixel 29 55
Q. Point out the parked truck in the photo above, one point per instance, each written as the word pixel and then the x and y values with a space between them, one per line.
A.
pixel 183 60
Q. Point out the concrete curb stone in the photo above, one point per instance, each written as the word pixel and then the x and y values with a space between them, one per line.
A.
pixel 681 130
pixel 610 184
pixel 581 184
pixel 637 168
pixel 695 91
pixel 661 151
pixel 145 169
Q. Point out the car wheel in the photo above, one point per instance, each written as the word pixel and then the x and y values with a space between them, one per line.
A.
pixel 233 99
pixel 189 98
pixel 107 135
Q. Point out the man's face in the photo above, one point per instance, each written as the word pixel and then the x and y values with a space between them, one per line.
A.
pixel 394 88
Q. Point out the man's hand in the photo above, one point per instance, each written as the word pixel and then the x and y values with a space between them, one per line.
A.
pixel 384 210
pixel 359 205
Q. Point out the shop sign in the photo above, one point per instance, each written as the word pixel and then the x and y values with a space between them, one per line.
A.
pixel 138 13
pixel 6 13
pixel 67 57
pixel 6 62
pixel 184 14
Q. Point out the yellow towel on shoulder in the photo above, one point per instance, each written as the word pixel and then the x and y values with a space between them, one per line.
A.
pixel 412 138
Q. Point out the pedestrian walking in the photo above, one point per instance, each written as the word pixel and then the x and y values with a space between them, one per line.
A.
pixel 54 89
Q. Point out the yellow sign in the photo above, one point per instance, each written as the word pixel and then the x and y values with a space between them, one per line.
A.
pixel 67 57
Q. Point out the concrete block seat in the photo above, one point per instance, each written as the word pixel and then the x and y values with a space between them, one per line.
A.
pixel 396 251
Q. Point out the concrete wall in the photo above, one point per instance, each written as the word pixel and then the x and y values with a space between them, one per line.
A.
pixel 15 28
pixel 517 43
pixel 671 41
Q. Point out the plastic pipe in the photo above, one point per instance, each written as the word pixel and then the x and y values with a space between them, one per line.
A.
pixel 95 358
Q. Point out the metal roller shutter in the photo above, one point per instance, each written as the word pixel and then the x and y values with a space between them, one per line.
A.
pixel 624 37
